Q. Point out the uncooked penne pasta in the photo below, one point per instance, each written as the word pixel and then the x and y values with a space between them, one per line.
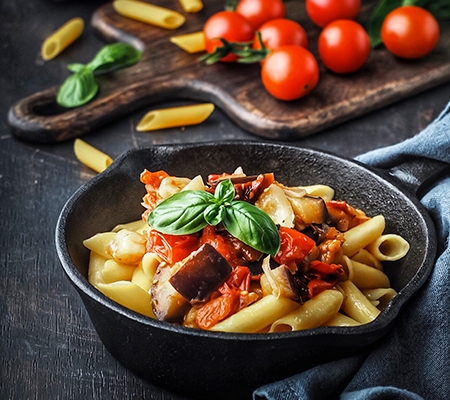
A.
pixel 190 42
pixel 62 38
pixel 311 314
pixel 356 305
pixel 129 295
pixel 191 6
pixel 363 234
pixel 389 247
pixel 365 277
pixel 175 117
pixel 149 13
pixel 257 316
pixel 90 156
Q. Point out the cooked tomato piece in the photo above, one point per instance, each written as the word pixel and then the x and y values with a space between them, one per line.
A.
pixel 171 248
pixel 294 247
pixel 217 310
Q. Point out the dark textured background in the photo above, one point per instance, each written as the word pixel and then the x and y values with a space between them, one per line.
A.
pixel 48 347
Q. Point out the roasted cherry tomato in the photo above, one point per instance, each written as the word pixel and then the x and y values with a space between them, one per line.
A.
pixel 230 26
pixel 410 32
pixel 279 32
pixel 172 248
pixel 322 12
pixel 259 11
pixel 344 46
pixel 294 246
pixel 290 72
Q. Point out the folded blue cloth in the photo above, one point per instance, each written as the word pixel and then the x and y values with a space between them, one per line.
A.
pixel 413 362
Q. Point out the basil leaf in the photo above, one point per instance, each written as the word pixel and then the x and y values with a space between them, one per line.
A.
pixel 214 214
pixel 114 56
pixel 77 89
pixel 252 226
pixel 75 67
pixel 225 191
pixel 181 213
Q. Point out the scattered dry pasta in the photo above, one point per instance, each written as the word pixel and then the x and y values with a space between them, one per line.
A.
pixel 91 156
pixel 62 38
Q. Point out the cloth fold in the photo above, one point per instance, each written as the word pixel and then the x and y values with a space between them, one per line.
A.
pixel 413 361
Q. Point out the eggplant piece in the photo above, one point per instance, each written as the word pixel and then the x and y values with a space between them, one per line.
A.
pixel 204 271
pixel 280 282
pixel 308 209
pixel 167 304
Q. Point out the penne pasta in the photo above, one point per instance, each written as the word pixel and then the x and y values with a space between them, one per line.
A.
pixel 90 156
pixel 365 257
pixel 380 296
pixel 99 243
pixel 311 314
pixel 150 262
pixel 356 305
pixel 341 320
pixel 129 295
pixel 361 235
pixel 136 226
pixel 389 247
pixel 149 13
pixel 95 271
pixel 140 278
pixel 191 6
pixel 62 38
pixel 113 271
pixel 190 42
pixel 175 117
pixel 365 277
pixel 323 191
pixel 257 316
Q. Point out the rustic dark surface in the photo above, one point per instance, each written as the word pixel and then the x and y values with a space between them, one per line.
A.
pixel 48 347
pixel 167 72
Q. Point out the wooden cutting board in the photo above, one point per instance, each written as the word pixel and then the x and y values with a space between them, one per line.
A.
pixel 168 73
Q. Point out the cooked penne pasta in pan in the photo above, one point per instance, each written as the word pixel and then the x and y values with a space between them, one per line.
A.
pixel 241 253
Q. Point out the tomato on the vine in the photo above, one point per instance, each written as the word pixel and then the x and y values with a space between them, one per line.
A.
pixel 290 72
pixel 344 46
pixel 322 12
pixel 410 32
pixel 259 11
pixel 230 26
pixel 279 32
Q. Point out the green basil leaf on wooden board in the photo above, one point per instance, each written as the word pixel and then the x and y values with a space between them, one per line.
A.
pixel 80 87
pixel 77 89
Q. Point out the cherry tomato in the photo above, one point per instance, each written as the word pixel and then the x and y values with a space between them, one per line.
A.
pixel 230 26
pixel 290 72
pixel 344 46
pixel 279 32
pixel 322 12
pixel 172 248
pixel 259 11
pixel 294 246
pixel 410 32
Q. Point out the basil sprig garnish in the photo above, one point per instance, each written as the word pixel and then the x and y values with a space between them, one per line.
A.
pixel 80 87
pixel 190 211
pixel 439 8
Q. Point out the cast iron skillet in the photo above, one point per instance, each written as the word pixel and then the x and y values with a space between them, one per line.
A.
pixel 215 365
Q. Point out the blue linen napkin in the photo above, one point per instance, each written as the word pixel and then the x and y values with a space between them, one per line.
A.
pixel 413 362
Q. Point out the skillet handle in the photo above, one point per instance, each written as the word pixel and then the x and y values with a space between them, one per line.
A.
pixel 419 173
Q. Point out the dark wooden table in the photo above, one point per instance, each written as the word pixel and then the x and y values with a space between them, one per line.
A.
pixel 48 346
